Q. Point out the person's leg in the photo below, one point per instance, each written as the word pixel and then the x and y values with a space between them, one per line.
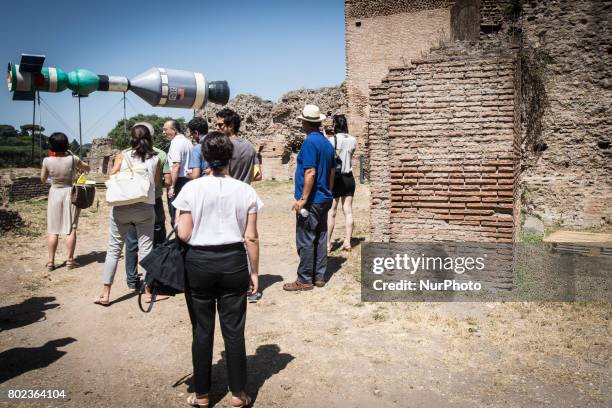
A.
pixel 131 258
pixel 331 222
pixel 118 229
pixel 232 317
pixel 320 242
pixel 159 229
pixel 52 240
pixel 200 296
pixel 71 240
pixel 304 241
pixel 347 209
pixel 144 218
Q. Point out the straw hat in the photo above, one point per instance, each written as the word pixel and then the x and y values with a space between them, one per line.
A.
pixel 312 113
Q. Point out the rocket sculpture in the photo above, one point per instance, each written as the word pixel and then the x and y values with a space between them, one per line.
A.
pixel 158 86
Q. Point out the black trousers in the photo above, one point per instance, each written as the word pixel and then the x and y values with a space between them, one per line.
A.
pixel 217 277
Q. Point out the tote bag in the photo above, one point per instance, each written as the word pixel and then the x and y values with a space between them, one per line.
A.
pixel 128 186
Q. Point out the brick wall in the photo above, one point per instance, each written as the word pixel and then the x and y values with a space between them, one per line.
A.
pixel 374 8
pixel 568 45
pixel 382 40
pixel 494 12
pixel 25 188
pixel 450 147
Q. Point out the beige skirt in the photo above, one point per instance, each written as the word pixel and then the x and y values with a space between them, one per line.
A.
pixel 62 216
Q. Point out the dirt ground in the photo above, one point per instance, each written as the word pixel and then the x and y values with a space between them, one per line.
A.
pixel 323 348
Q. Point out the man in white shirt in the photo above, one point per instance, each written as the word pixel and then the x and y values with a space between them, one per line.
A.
pixel 178 160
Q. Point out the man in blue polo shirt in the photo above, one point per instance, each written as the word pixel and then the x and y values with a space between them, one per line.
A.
pixel 314 179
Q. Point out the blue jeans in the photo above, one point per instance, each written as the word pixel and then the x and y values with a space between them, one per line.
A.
pixel 131 244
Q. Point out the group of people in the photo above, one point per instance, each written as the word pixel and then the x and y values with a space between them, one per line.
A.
pixel 213 209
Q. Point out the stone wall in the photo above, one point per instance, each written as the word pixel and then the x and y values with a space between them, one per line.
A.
pixel 25 188
pixel 450 148
pixel 382 34
pixel 100 156
pixel 273 128
pixel 567 66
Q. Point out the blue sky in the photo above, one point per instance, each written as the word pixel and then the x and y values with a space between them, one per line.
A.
pixel 263 47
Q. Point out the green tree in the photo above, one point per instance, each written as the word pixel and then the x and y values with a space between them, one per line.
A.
pixel 7 131
pixel 121 140
pixel 26 130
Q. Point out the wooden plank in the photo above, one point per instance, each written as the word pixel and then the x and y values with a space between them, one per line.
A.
pixel 592 239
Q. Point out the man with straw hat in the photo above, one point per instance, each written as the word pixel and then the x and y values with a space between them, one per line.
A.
pixel 314 179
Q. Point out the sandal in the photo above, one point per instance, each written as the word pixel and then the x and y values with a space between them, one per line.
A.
pixel 50 266
pixel 243 402
pixel 100 301
pixel 193 401
pixel 71 264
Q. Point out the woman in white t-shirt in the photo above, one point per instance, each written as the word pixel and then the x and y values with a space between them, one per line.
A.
pixel 142 158
pixel 217 218
pixel 344 182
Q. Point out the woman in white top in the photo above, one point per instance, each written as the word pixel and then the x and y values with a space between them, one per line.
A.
pixel 344 182
pixel 142 158
pixel 217 218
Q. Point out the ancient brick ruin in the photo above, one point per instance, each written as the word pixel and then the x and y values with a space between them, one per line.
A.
pixel 101 155
pixel 456 146
pixel 273 128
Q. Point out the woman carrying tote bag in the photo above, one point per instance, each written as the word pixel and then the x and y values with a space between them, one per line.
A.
pixel 141 159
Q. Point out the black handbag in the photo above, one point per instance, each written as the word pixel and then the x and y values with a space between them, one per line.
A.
pixel 337 159
pixel 165 268
pixel 81 195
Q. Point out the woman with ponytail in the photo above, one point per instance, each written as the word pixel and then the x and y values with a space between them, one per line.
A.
pixel 141 158
pixel 217 218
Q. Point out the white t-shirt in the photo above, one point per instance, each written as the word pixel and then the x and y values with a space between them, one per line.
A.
pixel 180 152
pixel 149 167
pixel 219 207
pixel 345 147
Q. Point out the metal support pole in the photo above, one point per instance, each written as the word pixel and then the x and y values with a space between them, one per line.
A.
pixel 33 128
pixel 124 118
pixel 80 132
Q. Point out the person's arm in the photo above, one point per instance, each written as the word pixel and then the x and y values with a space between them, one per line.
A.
pixel 174 173
pixel 167 180
pixel 184 225
pixel 158 174
pixel 117 164
pixel 195 173
pixel 309 180
pixel 44 174
pixel 251 238
pixel 84 167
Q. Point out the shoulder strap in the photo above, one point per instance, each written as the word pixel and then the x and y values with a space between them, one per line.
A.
pixel 72 169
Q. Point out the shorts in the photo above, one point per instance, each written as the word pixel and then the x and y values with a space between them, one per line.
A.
pixel 344 185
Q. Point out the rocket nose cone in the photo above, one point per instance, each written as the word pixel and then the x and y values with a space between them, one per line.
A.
pixel 147 86
pixel 218 92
